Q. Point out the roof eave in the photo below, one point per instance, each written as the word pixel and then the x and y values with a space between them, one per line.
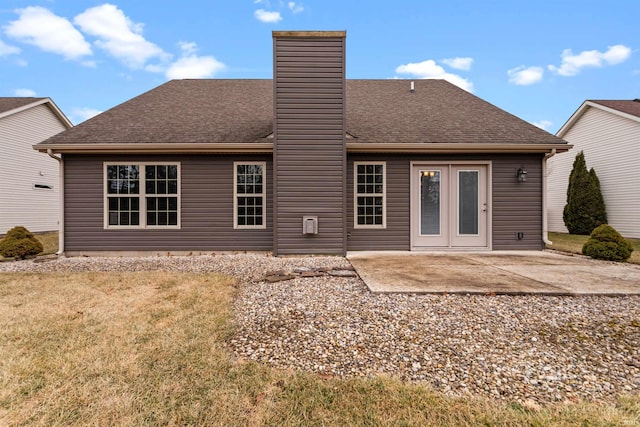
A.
pixel 376 147
pixel 157 148
pixel 583 108
pixel 52 105
pixel 267 147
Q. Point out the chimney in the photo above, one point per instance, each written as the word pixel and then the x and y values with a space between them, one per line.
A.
pixel 309 155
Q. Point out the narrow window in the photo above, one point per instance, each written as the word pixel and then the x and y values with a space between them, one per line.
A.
pixel 142 195
pixel 123 202
pixel 249 184
pixel 370 195
pixel 161 184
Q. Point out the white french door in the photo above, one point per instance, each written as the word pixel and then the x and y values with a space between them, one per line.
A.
pixel 450 206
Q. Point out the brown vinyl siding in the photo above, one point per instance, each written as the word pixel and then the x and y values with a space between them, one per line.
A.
pixel 309 149
pixel 206 207
pixel 517 206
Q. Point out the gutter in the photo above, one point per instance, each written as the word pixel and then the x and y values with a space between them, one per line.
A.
pixel 158 148
pixel 545 219
pixel 453 147
pixel 268 147
pixel 61 212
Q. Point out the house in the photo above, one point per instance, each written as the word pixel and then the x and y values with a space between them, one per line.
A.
pixel 609 134
pixel 306 163
pixel 29 190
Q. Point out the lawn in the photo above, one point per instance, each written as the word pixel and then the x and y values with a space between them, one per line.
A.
pixel 573 243
pixel 150 349
pixel 49 242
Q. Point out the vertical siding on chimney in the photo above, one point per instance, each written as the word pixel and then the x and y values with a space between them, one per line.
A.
pixel 309 148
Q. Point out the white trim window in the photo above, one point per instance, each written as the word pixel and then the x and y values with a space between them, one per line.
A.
pixel 141 195
pixel 370 194
pixel 249 195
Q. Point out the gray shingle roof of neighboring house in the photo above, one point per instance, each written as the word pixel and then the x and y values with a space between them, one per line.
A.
pixel 241 111
pixel 626 106
pixel 11 103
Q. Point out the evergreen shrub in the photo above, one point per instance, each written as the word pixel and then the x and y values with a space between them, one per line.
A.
pixel 19 243
pixel 585 209
pixel 606 243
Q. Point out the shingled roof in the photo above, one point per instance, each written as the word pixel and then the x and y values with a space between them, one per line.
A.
pixel 386 111
pixel 241 111
pixel 11 103
pixel 622 107
pixel 626 106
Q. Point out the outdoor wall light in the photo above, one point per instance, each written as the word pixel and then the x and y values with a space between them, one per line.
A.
pixel 522 174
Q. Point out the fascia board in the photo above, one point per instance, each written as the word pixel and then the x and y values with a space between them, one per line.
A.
pixel 157 148
pixel 356 147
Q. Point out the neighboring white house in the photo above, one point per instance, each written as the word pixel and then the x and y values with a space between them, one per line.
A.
pixel 609 134
pixel 30 185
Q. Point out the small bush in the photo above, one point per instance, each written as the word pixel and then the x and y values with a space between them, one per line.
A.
pixel 19 243
pixel 606 243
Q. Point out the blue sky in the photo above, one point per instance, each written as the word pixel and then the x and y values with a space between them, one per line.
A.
pixel 539 60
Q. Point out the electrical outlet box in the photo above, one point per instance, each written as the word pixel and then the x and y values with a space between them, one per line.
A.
pixel 309 225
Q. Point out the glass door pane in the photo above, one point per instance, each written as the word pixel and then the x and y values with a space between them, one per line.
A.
pixel 430 191
pixel 468 202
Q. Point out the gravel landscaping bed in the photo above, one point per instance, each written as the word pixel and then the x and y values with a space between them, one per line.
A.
pixel 525 348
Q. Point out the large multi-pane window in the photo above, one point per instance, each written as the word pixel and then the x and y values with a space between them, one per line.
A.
pixel 142 195
pixel 249 183
pixel 370 194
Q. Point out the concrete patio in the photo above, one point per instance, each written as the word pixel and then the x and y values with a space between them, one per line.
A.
pixel 498 272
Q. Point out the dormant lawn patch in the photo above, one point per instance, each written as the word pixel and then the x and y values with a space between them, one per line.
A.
pixel 150 348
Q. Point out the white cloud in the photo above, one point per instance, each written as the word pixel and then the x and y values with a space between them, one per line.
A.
pixel 40 27
pixel 194 67
pixel 154 68
pixel 188 48
pixel 6 50
pixel 525 76
pixel 459 63
pixel 118 35
pixel 267 17
pixel 191 66
pixel 430 70
pixel 28 93
pixel 295 7
pixel 543 124
pixel 572 64
pixel 81 114
pixel 617 54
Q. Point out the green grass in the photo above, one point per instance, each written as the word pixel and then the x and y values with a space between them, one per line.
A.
pixel 572 243
pixel 150 348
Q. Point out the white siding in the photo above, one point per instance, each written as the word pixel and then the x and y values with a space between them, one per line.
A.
pixel 22 167
pixel 611 145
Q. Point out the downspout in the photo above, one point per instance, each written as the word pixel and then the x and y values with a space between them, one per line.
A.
pixel 61 211
pixel 545 220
